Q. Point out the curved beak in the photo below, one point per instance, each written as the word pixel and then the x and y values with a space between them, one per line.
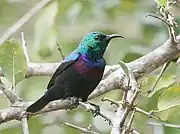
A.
pixel 109 37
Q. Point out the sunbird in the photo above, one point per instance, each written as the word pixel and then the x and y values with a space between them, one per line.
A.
pixel 79 73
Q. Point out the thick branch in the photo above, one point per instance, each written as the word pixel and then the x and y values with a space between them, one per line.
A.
pixel 139 67
pixel 17 110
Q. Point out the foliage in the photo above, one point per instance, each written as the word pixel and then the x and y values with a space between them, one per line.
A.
pixel 12 61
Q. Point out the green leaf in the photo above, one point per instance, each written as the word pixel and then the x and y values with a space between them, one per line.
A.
pixel 171 130
pixel 124 67
pixel 161 3
pixel 169 116
pixel 13 61
pixel 166 81
pixel 169 98
pixel 153 100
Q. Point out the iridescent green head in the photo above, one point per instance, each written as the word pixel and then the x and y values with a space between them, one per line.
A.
pixel 94 44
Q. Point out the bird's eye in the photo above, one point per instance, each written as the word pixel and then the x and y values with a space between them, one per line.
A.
pixel 100 37
pixel 97 37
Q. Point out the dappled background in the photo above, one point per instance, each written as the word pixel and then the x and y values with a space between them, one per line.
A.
pixel 66 22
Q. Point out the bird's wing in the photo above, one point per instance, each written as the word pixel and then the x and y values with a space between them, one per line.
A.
pixel 63 66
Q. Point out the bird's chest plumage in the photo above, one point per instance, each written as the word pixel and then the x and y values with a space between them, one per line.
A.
pixel 89 69
pixel 89 75
pixel 79 79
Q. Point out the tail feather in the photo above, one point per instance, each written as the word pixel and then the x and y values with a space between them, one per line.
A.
pixel 38 105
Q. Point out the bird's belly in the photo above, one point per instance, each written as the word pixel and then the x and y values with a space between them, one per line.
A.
pixel 77 82
pixel 88 79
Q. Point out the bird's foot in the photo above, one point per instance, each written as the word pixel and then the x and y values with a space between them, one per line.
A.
pixel 73 101
pixel 96 110
pixel 93 108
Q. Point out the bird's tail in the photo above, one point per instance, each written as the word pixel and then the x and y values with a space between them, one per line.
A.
pixel 38 105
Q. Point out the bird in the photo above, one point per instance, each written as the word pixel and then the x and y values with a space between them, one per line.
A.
pixel 79 73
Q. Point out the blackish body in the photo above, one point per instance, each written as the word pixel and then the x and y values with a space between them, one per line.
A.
pixel 79 80
pixel 79 73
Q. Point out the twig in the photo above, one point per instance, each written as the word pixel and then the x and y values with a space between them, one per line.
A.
pixel 159 77
pixel 12 97
pixel 168 19
pixel 171 20
pixel 95 111
pixel 89 127
pixel 60 50
pixel 165 124
pixel 24 45
pixel 148 114
pixel 171 125
pixel 124 98
pixel 130 121
pixel 25 125
pixel 128 127
pixel 159 18
pixel 13 73
pixel 111 101
pixel 85 130
pixel 134 132
pixel 11 30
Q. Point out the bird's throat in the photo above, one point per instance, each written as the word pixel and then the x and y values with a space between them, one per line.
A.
pixel 94 56
pixel 100 62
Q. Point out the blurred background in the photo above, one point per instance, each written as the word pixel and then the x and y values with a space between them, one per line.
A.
pixel 67 21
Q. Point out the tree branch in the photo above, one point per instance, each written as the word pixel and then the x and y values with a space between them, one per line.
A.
pixel 25 125
pixel 123 110
pixel 59 47
pixel 16 26
pixel 17 110
pixel 95 111
pixel 85 130
pixel 165 124
pixel 139 67
pixel 24 45
pixel 11 96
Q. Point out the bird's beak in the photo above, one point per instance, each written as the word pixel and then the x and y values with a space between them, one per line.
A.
pixel 109 37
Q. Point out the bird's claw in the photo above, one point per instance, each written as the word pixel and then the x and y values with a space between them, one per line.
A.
pixel 96 111
pixel 73 101
pixel 93 108
pixel 109 121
